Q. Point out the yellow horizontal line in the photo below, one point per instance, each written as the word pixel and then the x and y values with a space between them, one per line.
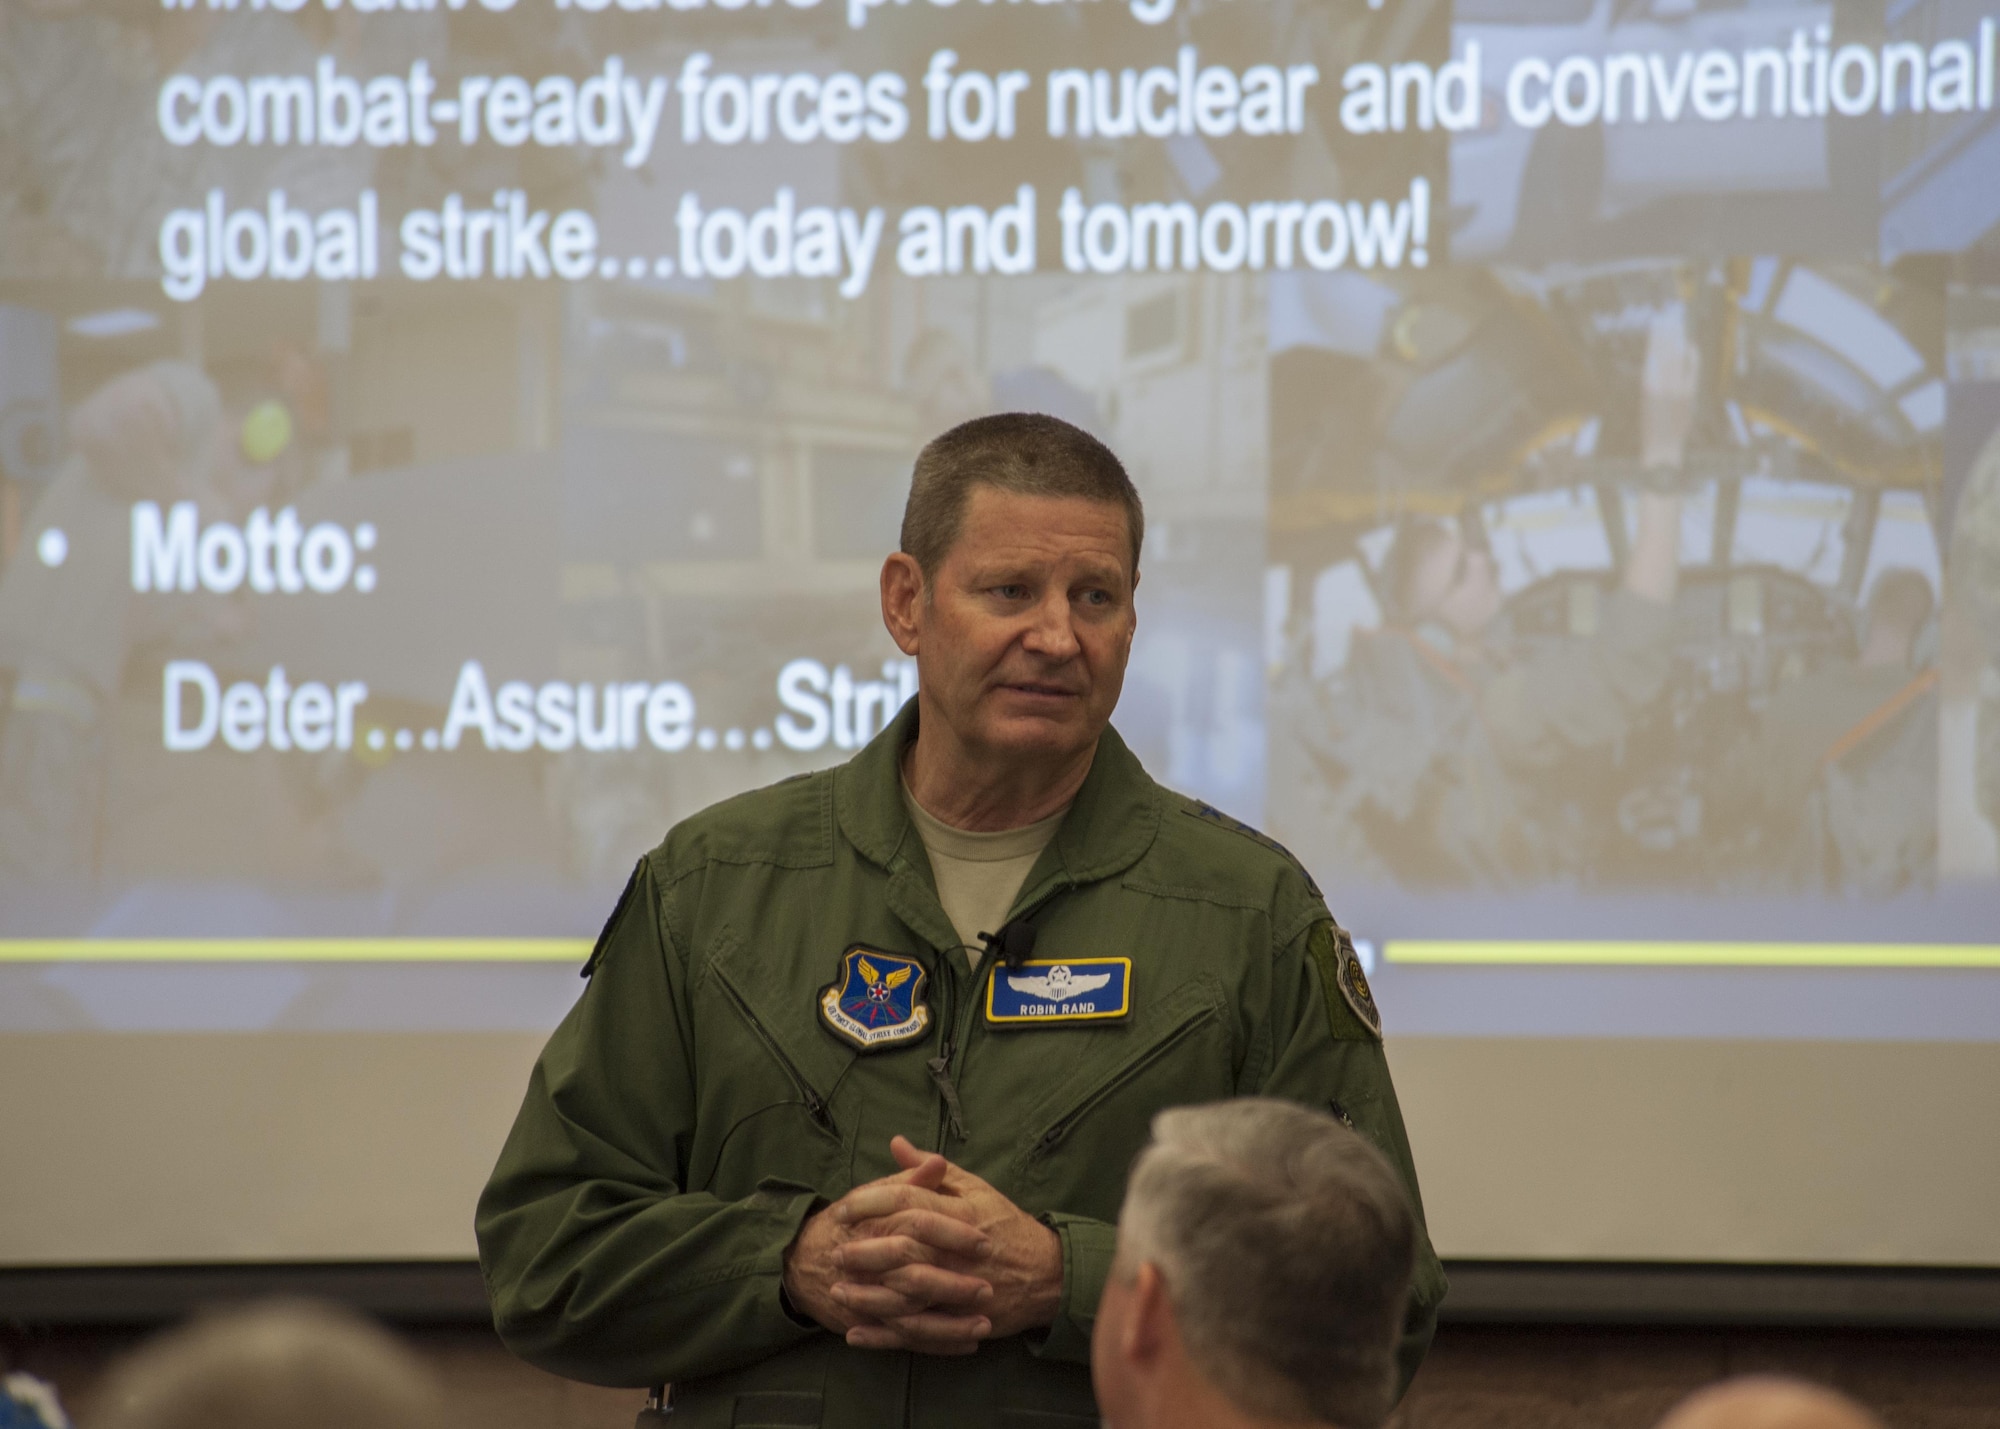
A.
pixel 1742 955
pixel 293 950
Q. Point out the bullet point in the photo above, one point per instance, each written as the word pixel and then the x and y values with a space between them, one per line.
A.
pixel 52 547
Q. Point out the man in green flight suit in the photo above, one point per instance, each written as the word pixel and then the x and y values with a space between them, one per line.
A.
pixel 838 1133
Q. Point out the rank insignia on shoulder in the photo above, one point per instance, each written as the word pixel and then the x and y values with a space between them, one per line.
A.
pixel 1203 810
pixel 1038 994
pixel 1353 982
pixel 877 1000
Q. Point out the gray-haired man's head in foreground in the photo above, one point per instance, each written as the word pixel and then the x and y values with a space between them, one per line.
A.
pixel 1264 1261
pixel 284 1364
pixel 1768 1402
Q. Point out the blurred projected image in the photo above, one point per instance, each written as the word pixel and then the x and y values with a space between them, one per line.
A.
pixel 1969 808
pixel 299 640
pixel 1616 577
pixel 1627 127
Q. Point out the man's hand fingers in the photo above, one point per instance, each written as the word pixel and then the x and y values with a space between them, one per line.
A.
pixel 916 1285
pixel 924 1168
pixel 928 1174
pixel 938 1288
pixel 961 1183
pixel 879 1199
pixel 874 1302
pixel 956 1180
pixel 938 1332
pixel 877 1255
pixel 930 1334
pixel 880 1254
pixel 859 1300
pixel 945 1234
pixel 911 1290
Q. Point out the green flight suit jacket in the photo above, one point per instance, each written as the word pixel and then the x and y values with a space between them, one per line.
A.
pixel 692 1110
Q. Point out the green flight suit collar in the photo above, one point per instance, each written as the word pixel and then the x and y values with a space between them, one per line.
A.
pixel 1109 827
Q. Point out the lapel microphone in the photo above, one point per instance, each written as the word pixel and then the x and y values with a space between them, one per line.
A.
pixel 1014 944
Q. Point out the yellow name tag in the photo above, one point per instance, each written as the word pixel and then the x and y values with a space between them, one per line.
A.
pixel 1059 990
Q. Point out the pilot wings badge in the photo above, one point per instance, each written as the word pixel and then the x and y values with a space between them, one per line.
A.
pixel 1038 994
pixel 877 1000
pixel 1061 984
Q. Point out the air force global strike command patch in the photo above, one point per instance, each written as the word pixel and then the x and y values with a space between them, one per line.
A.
pixel 877 1000
pixel 1058 991
pixel 1351 1013
pixel 1354 982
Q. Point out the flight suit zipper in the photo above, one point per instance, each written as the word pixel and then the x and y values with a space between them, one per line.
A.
pixel 951 1116
pixel 815 1104
pixel 940 1069
pixel 1052 1135
pixel 951 1109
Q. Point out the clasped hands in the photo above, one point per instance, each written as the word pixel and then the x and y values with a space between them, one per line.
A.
pixel 931 1259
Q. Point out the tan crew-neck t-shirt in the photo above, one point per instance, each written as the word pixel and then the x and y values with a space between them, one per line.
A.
pixel 979 874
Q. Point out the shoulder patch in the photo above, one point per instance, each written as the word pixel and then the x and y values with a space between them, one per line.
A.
pixel 617 912
pixel 1350 1005
pixel 1208 813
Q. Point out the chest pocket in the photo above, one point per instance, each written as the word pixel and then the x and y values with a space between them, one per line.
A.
pixel 1082 1137
pixel 766 1085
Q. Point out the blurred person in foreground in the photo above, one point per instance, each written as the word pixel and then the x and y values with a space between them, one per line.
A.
pixel 30 1403
pixel 838 1133
pixel 1264 1261
pixel 277 1365
pixel 1768 1402
pixel 1438 742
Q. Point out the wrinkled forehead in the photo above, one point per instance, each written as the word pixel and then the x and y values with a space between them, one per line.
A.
pixel 1003 525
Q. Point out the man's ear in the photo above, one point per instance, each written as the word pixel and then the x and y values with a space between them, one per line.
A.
pixel 1149 1328
pixel 902 595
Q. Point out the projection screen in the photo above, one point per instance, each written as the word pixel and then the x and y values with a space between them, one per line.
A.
pixel 444 442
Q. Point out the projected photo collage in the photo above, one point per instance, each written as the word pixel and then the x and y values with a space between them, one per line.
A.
pixel 442 448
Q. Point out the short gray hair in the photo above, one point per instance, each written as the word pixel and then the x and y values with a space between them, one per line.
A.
pixel 1025 452
pixel 283 1364
pixel 1287 1247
